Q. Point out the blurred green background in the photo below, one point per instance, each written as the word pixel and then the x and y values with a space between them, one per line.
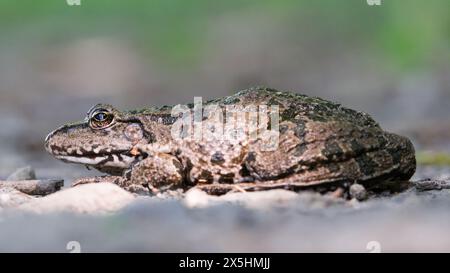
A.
pixel 56 60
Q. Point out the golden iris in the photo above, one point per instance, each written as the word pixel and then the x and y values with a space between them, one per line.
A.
pixel 101 119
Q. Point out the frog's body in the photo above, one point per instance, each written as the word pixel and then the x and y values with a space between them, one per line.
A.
pixel 319 143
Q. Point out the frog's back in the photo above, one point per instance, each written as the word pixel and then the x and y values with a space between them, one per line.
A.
pixel 294 106
pixel 319 142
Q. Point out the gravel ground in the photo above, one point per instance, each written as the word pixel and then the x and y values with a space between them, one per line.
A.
pixel 103 217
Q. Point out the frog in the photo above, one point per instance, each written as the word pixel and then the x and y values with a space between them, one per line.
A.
pixel 297 142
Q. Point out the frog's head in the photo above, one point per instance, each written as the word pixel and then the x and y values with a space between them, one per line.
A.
pixel 104 140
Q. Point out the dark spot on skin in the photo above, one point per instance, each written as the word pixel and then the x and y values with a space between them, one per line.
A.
pixel 177 164
pixel 244 172
pixel 299 131
pixel 396 155
pixel 149 136
pixel 61 150
pixel 251 157
pixel 95 146
pixel 206 176
pixel 110 158
pixel 300 149
pixel 356 147
pixel 332 150
pixel 366 134
pixel 273 101
pixel 333 167
pixel 289 113
pixel 165 119
pixel 381 140
pixel 366 165
pixel 187 171
pixel 283 128
pixel 217 158
pixel 189 165
pixel 226 178
pixel 84 151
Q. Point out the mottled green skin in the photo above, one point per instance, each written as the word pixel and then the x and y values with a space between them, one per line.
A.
pixel 320 143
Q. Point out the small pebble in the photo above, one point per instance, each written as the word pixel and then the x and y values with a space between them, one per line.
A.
pixel 358 192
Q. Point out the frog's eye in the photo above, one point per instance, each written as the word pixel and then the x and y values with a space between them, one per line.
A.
pixel 101 119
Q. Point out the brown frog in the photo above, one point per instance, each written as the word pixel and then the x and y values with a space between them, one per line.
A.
pixel 256 139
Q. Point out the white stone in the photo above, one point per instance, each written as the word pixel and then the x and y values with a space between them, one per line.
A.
pixel 196 198
pixel 10 197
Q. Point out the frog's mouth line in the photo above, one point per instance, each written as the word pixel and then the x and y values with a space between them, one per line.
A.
pixel 117 159
pixel 93 155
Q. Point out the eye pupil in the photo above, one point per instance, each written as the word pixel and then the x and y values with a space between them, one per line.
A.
pixel 100 116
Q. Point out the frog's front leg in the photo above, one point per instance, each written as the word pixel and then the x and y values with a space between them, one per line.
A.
pixel 158 172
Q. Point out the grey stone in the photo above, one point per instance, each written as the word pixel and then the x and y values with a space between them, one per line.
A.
pixel 34 187
pixel 25 173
